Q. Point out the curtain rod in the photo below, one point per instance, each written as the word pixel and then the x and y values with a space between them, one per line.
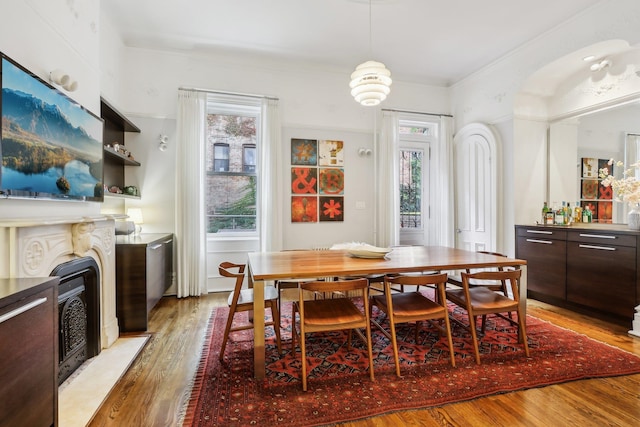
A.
pixel 417 112
pixel 221 92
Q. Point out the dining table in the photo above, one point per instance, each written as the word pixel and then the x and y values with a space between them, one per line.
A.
pixel 264 267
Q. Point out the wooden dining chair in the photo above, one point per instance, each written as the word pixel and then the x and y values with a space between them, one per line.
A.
pixel 413 307
pixel 481 301
pixel 242 300
pixel 334 314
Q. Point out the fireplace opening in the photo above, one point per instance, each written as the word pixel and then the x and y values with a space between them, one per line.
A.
pixel 78 314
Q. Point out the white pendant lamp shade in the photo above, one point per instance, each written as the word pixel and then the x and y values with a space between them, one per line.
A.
pixel 370 83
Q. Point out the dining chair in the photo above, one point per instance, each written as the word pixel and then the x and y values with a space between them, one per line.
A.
pixel 496 286
pixel 242 300
pixel 335 314
pixel 481 301
pixel 413 306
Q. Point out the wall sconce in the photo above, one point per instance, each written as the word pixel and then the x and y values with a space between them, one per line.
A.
pixel 162 146
pixel 364 152
pixel 63 79
pixel 135 215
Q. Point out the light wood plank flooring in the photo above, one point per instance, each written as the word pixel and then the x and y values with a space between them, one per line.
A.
pixel 155 389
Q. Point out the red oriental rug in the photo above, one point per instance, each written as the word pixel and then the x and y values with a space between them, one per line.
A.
pixel 226 394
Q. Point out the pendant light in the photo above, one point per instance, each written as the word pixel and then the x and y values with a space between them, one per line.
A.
pixel 371 80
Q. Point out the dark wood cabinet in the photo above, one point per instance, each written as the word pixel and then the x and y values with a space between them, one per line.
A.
pixel 29 352
pixel 591 268
pixel 601 272
pixel 144 271
pixel 545 252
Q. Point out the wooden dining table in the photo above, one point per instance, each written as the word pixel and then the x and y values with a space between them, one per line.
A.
pixel 301 264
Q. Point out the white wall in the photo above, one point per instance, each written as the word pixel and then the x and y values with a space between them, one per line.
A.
pixel 44 35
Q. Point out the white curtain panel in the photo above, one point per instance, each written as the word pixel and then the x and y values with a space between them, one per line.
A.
pixel 190 168
pixel 387 208
pixel 270 181
pixel 446 218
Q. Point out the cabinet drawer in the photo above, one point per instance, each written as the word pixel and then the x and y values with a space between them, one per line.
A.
pixel 601 238
pixel 543 233
pixel 546 265
pixel 602 277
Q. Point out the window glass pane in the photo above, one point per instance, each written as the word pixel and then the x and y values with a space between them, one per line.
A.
pixel 231 187
pixel 411 188
pixel 249 156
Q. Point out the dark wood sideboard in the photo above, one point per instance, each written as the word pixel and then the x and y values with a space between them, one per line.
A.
pixel 144 271
pixel 589 268
pixel 29 352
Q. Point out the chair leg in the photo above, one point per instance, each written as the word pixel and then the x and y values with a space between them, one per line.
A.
pixel 450 340
pixel 303 350
pixel 225 338
pixel 275 314
pixel 522 330
pixel 394 344
pixel 474 336
pixel 293 328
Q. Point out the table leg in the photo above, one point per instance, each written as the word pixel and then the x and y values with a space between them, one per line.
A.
pixel 258 326
pixel 523 289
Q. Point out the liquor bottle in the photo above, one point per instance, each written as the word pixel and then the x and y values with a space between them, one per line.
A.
pixel 577 216
pixel 545 209
pixel 569 215
pixel 559 218
pixel 586 215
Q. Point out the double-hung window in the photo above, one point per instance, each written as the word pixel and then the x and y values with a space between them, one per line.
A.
pixel 233 141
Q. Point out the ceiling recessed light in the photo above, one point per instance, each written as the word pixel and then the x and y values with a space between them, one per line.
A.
pixel 589 58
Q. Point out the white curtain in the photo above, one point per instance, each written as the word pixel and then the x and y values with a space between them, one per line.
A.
pixel 387 211
pixel 445 186
pixel 270 192
pixel 190 168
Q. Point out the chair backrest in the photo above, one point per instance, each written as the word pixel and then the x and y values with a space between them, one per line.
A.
pixel 226 269
pixel 510 276
pixel 423 279
pixel 335 285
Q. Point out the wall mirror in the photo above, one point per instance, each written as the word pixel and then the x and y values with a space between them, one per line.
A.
pixel 611 133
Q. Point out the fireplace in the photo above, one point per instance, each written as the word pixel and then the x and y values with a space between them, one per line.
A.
pixel 78 314
pixel 58 246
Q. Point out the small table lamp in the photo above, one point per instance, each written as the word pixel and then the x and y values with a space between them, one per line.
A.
pixel 135 215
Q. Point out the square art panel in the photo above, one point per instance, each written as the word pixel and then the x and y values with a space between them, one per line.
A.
pixel 331 181
pixel 589 167
pixel 590 189
pixel 304 152
pixel 605 212
pixel 304 180
pixel 331 153
pixel 331 208
pixel 304 209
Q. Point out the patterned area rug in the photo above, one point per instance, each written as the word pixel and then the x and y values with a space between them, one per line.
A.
pixel 226 394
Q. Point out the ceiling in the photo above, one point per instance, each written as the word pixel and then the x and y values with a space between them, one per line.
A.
pixel 424 41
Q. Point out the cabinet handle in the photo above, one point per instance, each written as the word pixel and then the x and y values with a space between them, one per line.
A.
pixel 154 247
pixel 167 241
pixel 20 310
pixel 546 242
pixel 602 248
pixel 539 232
pixel 598 236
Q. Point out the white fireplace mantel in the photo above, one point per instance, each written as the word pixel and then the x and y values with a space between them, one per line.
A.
pixel 34 247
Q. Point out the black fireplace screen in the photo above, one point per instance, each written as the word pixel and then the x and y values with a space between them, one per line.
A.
pixel 79 314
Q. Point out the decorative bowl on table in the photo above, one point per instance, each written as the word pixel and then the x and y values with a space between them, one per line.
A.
pixel 363 250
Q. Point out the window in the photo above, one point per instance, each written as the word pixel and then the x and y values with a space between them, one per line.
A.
pixel 220 157
pixel 249 158
pixel 231 162
pixel 411 188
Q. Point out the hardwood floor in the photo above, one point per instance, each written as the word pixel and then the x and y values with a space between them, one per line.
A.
pixel 155 389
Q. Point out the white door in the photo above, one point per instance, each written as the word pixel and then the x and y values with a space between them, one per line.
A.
pixel 476 192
